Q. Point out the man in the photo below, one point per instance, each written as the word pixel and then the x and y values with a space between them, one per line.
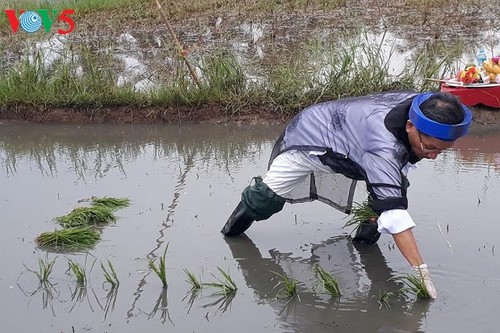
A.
pixel 327 147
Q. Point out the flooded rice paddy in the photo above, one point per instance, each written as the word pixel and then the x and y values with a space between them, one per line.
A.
pixel 184 181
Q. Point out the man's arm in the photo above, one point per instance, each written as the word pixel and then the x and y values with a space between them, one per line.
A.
pixel 408 247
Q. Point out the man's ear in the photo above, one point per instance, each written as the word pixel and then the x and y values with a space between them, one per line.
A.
pixel 409 126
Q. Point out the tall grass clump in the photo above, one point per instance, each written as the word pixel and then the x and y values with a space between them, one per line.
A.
pixel 76 238
pixel 327 281
pixel 223 75
pixel 84 78
pixel 87 216
pixel 160 269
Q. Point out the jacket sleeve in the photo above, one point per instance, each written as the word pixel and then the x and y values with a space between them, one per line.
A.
pixel 385 181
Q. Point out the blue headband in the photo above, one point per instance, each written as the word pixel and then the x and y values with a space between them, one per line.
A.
pixel 432 128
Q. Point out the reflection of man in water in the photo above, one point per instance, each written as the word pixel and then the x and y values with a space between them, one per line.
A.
pixel 363 276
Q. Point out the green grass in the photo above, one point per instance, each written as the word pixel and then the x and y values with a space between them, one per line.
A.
pixel 160 269
pixel 87 216
pixel 329 284
pixel 315 72
pixel 76 238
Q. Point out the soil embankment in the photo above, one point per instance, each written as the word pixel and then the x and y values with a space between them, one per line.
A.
pixel 215 114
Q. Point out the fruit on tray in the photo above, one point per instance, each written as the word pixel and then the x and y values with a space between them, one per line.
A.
pixel 492 68
pixel 470 74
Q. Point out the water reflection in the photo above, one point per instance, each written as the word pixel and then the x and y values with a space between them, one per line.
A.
pixel 363 276
pixel 480 147
pixel 91 151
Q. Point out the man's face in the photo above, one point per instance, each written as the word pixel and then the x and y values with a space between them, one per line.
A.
pixel 425 146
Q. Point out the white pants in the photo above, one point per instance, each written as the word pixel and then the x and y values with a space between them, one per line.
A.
pixel 291 168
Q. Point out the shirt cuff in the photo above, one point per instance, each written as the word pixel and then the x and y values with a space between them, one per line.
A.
pixel 394 221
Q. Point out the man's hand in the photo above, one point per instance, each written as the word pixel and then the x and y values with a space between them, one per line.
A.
pixel 423 273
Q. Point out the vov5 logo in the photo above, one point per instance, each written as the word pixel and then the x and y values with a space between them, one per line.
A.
pixel 32 20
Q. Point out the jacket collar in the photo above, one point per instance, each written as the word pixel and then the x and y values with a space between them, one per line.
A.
pixel 395 122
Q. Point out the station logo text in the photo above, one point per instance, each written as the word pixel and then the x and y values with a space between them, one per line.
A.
pixel 31 21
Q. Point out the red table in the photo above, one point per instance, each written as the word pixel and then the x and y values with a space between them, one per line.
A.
pixel 471 96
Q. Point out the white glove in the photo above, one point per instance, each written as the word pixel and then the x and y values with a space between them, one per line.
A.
pixel 424 274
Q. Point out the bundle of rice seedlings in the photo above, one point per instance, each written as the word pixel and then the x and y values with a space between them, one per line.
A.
pixel 87 216
pixel 361 213
pixel 414 285
pixel 69 238
pixel 111 203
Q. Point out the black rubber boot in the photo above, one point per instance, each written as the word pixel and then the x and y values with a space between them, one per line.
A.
pixel 238 222
pixel 258 202
pixel 367 233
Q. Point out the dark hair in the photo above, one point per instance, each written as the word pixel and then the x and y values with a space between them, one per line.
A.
pixel 445 108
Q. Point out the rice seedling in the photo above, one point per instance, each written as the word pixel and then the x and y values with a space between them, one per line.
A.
pixel 327 281
pixel 361 213
pixel 87 216
pixel 160 270
pixel 45 268
pixel 110 275
pixel 383 299
pixel 111 203
pixel 195 283
pixel 288 288
pixel 79 273
pixel 226 286
pixel 414 285
pixel 69 238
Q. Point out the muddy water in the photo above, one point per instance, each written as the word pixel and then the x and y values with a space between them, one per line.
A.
pixel 184 181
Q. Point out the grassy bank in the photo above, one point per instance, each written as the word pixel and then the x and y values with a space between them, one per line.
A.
pixel 317 72
pixel 85 71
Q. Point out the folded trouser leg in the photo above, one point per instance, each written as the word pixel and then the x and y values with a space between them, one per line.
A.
pixel 258 202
